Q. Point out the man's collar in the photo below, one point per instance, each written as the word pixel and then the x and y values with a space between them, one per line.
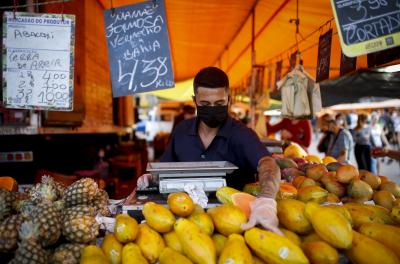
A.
pixel 224 131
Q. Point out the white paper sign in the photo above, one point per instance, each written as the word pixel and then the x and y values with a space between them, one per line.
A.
pixel 38 61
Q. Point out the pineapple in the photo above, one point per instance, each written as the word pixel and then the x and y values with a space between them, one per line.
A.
pixel 80 229
pixel 9 233
pixel 82 191
pixel 79 210
pixel 29 250
pixel 67 254
pixel 44 192
pixel 100 202
pixel 6 199
pixel 19 199
pixel 48 220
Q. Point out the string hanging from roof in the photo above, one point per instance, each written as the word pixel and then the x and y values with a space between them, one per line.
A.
pixel 273 59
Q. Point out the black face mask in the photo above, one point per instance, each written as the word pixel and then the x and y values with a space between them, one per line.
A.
pixel 213 116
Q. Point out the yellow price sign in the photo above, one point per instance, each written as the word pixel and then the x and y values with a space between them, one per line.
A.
pixel 367 26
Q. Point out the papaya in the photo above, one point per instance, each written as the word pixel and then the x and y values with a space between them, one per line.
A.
pixel 384 198
pixel 219 242
pixel 373 180
pixel 316 171
pixel 171 240
pixel 180 204
pixel 224 194
pixel 395 214
pixel 307 182
pixel 343 211
pixel 359 189
pixel 243 201
pixel 235 250
pixel 8 183
pixel 294 150
pixel 335 187
pixel 330 225
pixel 333 166
pixel 252 188
pixel 198 209
pixel 227 219
pixel 328 159
pixel 112 249
pixel 196 245
pixel 150 243
pixel 386 234
pixel 383 178
pixel 285 163
pixel 257 260
pixel 292 236
pixel 312 194
pixel 273 248
pixel 346 173
pixel 313 159
pixel 366 250
pixel 203 221
pixel 125 228
pixel 291 216
pixel 312 238
pixel 289 173
pixel 298 181
pixel 320 252
pixel 170 256
pixel 286 191
pixel 364 214
pixel 332 198
pixel 131 254
pixel 93 255
pixel 392 187
pixel 158 217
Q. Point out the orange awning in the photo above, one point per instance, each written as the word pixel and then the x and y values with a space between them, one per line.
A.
pixel 210 32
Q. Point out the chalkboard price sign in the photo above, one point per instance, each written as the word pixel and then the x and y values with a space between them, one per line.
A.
pixel 367 26
pixel 38 67
pixel 138 48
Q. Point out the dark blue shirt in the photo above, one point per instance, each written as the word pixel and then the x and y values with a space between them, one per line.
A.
pixel 234 142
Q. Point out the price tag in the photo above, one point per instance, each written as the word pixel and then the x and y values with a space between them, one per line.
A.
pixel 367 26
pixel 38 66
pixel 138 48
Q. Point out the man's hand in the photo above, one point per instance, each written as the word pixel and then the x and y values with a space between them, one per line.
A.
pixel 269 176
pixel 379 152
pixel 263 212
pixel 144 181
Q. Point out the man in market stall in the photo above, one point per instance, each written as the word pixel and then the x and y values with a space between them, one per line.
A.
pixel 215 136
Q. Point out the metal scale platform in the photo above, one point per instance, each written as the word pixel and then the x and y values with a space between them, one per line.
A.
pixel 173 176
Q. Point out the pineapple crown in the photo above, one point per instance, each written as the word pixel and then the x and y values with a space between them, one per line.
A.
pixel 44 191
pixel 28 231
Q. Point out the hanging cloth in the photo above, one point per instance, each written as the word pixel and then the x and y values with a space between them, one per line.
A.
pixel 301 97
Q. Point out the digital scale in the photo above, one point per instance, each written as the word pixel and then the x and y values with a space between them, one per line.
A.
pixel 173 176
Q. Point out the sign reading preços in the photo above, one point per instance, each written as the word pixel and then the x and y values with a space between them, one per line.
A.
pixel 138 48
pixel 367 26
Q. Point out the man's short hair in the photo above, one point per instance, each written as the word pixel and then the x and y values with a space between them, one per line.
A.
pixel 210 77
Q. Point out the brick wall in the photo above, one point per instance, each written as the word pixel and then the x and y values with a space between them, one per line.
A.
pixel 92 76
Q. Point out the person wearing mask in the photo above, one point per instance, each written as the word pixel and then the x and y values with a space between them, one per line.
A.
pixel 297 130
pixel 362 139
pixel 341 142
pixel 341 120
pixel 215 136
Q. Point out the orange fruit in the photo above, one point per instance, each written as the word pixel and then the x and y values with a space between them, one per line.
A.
pixel 243 201
pixel 180 204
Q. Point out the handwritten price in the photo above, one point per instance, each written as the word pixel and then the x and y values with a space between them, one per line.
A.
pixel 155 68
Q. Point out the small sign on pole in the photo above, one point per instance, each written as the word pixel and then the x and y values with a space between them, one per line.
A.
pixel 367 26
pixel 324 56
pixel 38 61
pixel 138 48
